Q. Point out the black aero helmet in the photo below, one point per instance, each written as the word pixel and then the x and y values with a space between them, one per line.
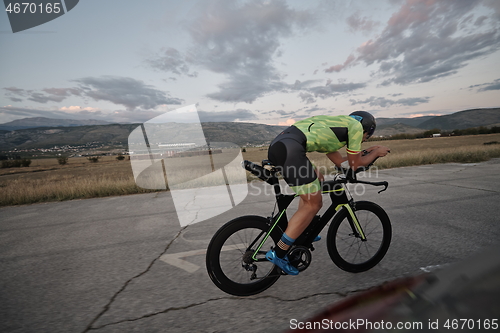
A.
pixel 367 120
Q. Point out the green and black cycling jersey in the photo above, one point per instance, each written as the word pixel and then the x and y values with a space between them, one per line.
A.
pixel 324 134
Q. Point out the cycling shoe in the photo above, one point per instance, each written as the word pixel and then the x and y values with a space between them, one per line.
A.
pixel 284 264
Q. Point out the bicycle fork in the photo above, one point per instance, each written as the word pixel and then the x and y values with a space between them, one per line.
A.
pixel 353 221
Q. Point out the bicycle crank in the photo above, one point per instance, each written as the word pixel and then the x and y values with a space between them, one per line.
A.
pixel 300 257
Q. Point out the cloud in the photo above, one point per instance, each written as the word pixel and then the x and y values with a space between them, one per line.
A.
pixel 63 92
pixel 309 94
pixel 306 97
pixel 424 114
pixel 495 5
pixel 226 116
pixel 48 94
pixel 357 23
pixel 16 91
pixel 13 91
pixel 335 89
pixel 480 21
pixel 338 68
pixel 281 112
pixel 171 60
pixel 125 91
pixel 15 99
pixel 43 98
pixel 9 113
pixel 129 92
pixel 302 113
pixel 495 85
pixel 246 87
pixel 412 114
pixel 240 41
pixel 426 40
pixel 310 110
pixel 288 122
pixel 384 102
pixel 78 109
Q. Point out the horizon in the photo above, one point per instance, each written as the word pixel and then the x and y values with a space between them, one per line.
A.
pixel 288 123
pixel 269 62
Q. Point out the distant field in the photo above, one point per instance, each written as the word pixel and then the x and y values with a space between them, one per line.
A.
pixel 46 180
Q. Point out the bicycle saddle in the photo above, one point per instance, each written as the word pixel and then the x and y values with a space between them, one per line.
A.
pixel 268 165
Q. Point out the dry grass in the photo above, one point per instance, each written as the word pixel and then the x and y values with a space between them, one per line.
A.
pixel 467 154
pixel 462 149
pixel 57 188
pixel 46 180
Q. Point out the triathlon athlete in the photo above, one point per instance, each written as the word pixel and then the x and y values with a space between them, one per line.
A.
pixel 326 134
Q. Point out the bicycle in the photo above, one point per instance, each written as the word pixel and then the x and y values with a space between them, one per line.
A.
pixel 358 237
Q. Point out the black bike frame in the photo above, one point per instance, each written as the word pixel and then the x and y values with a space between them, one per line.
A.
pixel 339 199
pixel 338 196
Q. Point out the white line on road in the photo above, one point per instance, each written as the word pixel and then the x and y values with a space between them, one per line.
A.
pixel 429 269
pixel 174 259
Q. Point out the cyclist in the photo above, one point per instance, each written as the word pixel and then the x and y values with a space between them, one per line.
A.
pixel 326 134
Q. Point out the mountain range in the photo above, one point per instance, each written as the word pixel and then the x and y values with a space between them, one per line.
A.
pixel 458 120
pixel 35 122
pixel 41 132
pixel 242 134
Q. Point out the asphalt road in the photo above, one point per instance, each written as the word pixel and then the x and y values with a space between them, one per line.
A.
pixel 124 264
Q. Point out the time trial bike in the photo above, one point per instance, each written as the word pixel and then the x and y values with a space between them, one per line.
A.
pixel 358 237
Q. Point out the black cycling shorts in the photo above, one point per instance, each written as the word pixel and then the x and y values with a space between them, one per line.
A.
pixel 288 153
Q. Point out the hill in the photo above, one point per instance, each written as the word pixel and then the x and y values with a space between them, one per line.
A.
pixel 413 122
pixel 35 122
pixel 117 134
pixel 398 128
pixel 463 119
pixel 48 137
pixel 241 133
pixel 459 120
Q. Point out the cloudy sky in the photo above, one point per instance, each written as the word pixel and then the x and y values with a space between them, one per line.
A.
pixel 271 61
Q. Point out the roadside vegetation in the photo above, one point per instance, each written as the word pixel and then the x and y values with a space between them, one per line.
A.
pixel 78 178
pixel 457 132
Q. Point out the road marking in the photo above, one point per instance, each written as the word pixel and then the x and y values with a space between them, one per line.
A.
pixel 175 259
pixel 429 269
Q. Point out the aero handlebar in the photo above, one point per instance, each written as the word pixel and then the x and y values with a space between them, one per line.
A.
pixel 270 177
